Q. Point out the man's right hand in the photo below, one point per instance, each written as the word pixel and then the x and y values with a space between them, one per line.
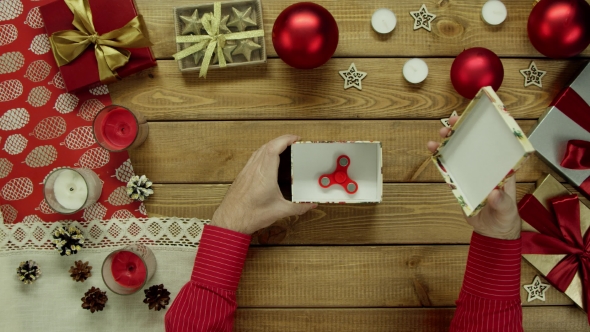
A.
pixel 499 218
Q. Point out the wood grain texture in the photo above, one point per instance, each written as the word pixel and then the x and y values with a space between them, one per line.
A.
pixel 409 214
pixel 457 26
pixel 277 91
pixel 547 319
pixel 362 276
pixel 215 152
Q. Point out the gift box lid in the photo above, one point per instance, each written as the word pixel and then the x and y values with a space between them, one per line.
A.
pixel 311 160
pixel 107 15
pixel 483 149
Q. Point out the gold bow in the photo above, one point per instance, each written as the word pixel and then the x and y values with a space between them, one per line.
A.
pixel 213 40
pixel 109 48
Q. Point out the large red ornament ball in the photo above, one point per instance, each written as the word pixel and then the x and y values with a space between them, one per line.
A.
pixel 475 68
pixel 560 28
pixel 305 35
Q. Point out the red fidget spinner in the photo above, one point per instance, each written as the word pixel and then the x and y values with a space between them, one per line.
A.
pixel 340 176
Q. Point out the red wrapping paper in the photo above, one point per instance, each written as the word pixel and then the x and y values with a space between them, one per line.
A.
pixel 42 127
pixel 107 15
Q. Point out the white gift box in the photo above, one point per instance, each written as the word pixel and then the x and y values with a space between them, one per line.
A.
pixel 311 160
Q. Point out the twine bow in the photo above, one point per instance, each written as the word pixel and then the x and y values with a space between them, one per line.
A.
pixel 213 41
pixel 110 48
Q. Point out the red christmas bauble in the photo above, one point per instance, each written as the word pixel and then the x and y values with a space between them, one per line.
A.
pixel 475 68
pixel 560 28
pixel 305 35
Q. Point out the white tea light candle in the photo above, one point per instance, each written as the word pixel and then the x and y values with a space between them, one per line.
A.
pixel 415 70
pixel 494 12
pixel 383 20
pixel 70 189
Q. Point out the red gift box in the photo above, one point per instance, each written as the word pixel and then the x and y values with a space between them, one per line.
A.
pixel 107 15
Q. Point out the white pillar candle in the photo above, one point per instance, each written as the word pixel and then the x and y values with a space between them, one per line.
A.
pixel 415 70
pixel 383 20
pixel 494 12
pixel 70 189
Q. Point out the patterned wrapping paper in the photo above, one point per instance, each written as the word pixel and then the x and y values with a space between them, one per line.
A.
pixel 567 118
pixel 42 127
pixel 438 156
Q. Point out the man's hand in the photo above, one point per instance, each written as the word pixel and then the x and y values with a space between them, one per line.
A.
pixel 499 218
pixel 254 200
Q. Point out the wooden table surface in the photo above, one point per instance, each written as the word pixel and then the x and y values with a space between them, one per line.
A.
pixel 395 266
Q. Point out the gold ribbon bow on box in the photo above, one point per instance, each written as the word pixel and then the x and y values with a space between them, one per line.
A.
pixel 109 48
pixel 212 41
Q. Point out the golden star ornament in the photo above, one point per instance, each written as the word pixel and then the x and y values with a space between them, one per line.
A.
pixel 241 20
pixel 246 47
pixel 192 24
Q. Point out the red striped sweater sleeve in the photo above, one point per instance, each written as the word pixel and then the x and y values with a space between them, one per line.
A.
pixel 490 296
pixel 208 301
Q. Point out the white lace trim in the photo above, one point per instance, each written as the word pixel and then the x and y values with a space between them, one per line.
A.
pixel 176 232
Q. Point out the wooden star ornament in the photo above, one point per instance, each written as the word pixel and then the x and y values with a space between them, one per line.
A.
pixel 192 24
pixel 246 47
pixel 241 20
pixel 445 121
pixel 536 290
pixel 352 77
pixel 422 18
pixel 532 75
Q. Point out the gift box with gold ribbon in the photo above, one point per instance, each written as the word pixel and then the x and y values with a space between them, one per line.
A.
pixel 96 42
pixel 219 35
pixel 562 136
pixel 556 240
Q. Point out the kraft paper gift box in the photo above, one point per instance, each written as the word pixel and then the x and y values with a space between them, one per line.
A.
pixel 554 237
pixel 107 15
pixel 187 64
pixel 560 133
pixel 483 149
pixel 311 160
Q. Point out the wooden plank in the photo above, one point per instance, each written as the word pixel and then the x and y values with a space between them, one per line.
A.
pixel 547 319
pixel 353 276
pixel 277 91
pixel 458 26
pixel 409 214
pixel 214 152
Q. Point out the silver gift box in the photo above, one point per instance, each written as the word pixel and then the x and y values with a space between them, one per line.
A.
pixel 554 129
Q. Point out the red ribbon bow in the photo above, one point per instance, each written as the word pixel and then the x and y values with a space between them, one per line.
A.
pixel 577 155
pixel 559 234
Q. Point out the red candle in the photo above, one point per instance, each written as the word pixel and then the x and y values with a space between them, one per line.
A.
pixel 128 269
pixel 119 128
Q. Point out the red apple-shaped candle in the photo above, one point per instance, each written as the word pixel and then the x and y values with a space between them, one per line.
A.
pixel 128 269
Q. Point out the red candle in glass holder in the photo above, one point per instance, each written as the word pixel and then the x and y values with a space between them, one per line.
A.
pixel 117 128
pixel 128 269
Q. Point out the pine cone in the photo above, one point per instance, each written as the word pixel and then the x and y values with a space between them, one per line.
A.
pixel 69 241
pixel 80 271
pixel 94 300
pixel 157 297
pixel 139 188
pixel 28 272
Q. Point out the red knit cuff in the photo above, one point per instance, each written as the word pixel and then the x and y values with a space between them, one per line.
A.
pixel 493 268
pixel 220 258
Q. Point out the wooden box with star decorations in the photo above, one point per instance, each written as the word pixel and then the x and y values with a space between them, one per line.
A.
pixel 554 227
pixel 562 136
pixel 236 18
pixel 483 149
